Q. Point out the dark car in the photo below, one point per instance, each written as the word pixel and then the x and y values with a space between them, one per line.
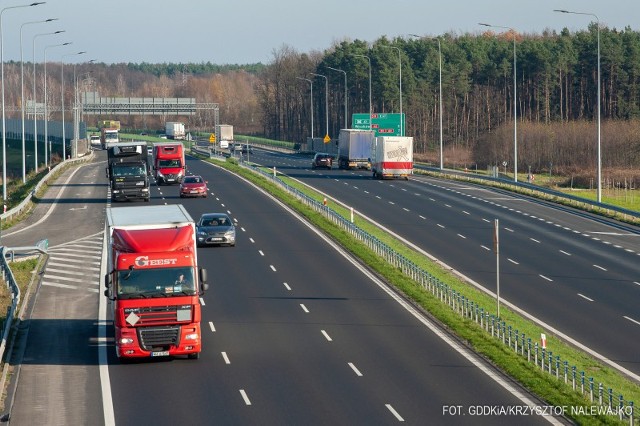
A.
pixel 247 149
pixel 215 229
pixel 193 186
pixel 322 159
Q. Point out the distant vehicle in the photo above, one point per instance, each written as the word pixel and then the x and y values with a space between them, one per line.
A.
pixel 95 141
pixel 246 148
pixel 322 159
pixel 168 162
pixel 215 229
pixel 174 130
pixel 392 157
pixel 162 136
pixel 127 171
pixel 224 144
pixel 193 186
pixel 354 148
pixel 225 132
pixel 109 132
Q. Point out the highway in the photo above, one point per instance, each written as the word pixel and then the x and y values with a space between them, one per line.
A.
pixel 574 272
pixel 295 332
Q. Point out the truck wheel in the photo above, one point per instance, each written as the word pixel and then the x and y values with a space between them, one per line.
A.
pixel 194 356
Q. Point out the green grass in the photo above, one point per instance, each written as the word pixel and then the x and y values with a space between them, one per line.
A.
pixel 554 391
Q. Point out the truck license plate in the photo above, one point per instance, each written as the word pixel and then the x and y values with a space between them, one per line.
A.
pixel 160 353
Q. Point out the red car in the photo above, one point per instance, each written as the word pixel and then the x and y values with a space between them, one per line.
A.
pixel 193 186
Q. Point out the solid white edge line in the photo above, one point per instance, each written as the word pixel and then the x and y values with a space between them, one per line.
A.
pixel 103 362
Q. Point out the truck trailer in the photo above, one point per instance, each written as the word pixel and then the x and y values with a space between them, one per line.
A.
pixel 174 130
pixel 127 171
pixel 392 157
pixel 153 281
pixel 224 132
pixel 354 148
pixel 168 163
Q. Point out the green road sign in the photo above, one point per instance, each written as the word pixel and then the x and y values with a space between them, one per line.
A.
pixel 384 124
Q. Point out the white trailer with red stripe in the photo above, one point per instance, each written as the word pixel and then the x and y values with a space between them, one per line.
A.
pixel 392 157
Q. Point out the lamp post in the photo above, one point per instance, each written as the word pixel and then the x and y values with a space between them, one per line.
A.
pixel 326 101
pixel 440 96
pixel 599 167
pixel 400 66
pixel 368 59
pixel 64 137
pixel 47 160
pixel 515 102
pixel 4 133
pixel 346 119
pixel 310 103
pixel 24 164
pixel 35 111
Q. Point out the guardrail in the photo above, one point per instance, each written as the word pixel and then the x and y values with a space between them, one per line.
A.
pixel 583 203
pixel 605 397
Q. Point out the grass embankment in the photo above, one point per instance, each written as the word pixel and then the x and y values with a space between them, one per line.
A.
pixel 552 390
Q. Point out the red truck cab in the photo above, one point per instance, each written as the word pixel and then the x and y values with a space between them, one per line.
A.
pixel 168 163
pixel 154 282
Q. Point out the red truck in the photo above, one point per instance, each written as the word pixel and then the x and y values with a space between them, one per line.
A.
pixel 168 163
pixel 153 281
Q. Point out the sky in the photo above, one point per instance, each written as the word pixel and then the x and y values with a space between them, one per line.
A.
pixel 250 31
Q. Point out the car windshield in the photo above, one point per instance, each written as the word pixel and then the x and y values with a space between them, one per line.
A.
pixel 215 221
pixel 159 282
pixel 190 179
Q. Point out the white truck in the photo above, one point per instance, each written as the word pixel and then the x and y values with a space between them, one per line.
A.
pixel 224 132
pixel 174 130
pixel 392 157
pixel 354 148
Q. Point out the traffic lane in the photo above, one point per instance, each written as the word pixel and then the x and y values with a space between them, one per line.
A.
pixel 338 307
pixel 544 263
pixel 68 215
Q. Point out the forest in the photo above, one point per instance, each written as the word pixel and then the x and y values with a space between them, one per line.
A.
pixel 556 92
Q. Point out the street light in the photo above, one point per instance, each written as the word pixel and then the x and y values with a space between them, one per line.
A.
pixel 310 103
pixel 346 120
pixel 440 95
pixel 64 137
pixel 326 102
pixel 440 85
pixel 35 111
pixel 515 102
pixel 368 59
pixel 24 164
pixel 47 161
pixel 400 65
pixel 599 151
pixel 4 133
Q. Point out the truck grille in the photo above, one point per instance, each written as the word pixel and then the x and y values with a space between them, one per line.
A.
pixel 158 315
pixel 158 338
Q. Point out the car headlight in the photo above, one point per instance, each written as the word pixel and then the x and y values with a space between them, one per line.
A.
pixel 160 173
pixel 230 234
pixel 202 234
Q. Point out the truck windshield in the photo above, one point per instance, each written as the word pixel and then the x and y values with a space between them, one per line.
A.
pixel 169 163
pixel 161 282
pixel 111 137
pixel 120 171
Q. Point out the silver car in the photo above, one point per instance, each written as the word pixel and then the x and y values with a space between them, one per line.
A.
pixel 215 229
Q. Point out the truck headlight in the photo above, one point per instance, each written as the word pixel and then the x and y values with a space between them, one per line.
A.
pixel 126 341
pixel 191 336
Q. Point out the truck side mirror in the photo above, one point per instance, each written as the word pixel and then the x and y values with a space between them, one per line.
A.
pixel 107 280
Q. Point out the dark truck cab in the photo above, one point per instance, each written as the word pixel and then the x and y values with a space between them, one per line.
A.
pixel 127 171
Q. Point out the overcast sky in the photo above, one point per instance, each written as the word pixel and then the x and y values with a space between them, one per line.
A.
pixel 248 31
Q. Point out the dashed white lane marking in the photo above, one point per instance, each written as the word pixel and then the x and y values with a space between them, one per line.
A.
pixel 394 412
pixel 326 335
pixel 585 297
pixel 287 286
pixel 273 268
pixel 546 278
pixel 355 369
pixel 599 267
pixel 631 319
pixel 225 357
pixel 304 308
pixel 245 397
